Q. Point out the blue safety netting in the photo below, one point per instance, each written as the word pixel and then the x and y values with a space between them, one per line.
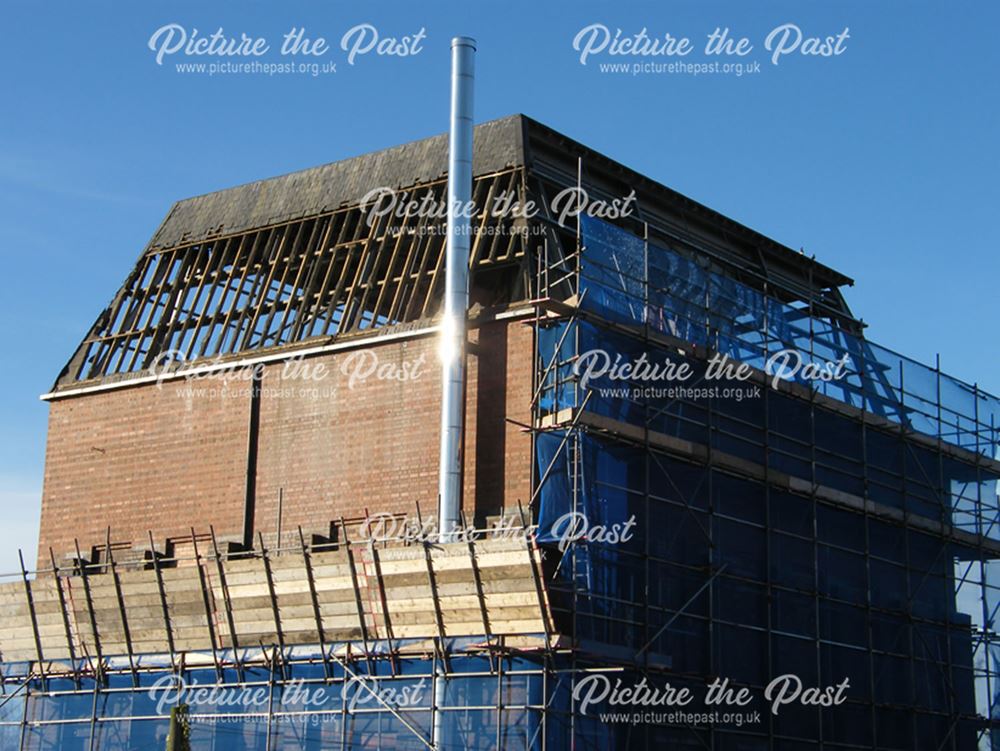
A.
pixel 303 704
pixel 599 529
pixel 782 432
pixel 628 280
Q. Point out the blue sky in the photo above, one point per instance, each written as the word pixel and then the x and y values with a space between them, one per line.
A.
pixel 882 161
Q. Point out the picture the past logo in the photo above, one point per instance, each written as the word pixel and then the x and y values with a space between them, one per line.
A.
pixel 565 206
pixel 600 690
pixel 784 41
pixel 358 42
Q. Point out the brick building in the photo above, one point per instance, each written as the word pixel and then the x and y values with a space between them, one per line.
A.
pixel 265 380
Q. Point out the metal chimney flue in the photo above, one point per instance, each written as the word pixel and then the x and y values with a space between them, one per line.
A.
pixel 456 296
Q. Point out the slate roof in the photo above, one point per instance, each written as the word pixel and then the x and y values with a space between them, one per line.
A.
pixel 498 144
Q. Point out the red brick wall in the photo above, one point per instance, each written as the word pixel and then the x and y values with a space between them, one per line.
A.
pixel 143 458
pixel 375 446
pixel 163 459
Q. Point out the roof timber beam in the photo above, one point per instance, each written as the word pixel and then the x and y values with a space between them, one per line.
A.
pixel 319 276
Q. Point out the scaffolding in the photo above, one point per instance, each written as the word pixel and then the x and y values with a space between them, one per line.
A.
pixel 823 528
pixel 95 655
pixel 812 527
